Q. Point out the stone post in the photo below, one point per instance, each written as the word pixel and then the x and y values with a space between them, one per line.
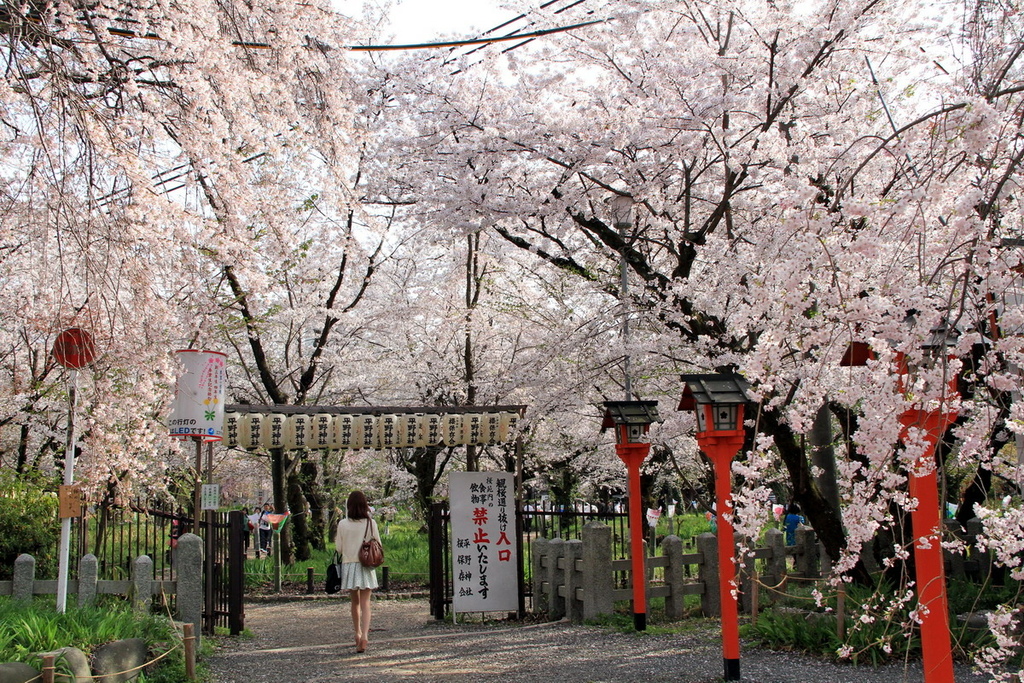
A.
pixel 807 558
pixel 675 603
pixel 88 575
pixel 775 567
pixel 573 607
pixel 707 573
pixel 555 578
pixel 598 581
pixel 142 583
pixel 190 581
pixel 540 550
pixel 24 577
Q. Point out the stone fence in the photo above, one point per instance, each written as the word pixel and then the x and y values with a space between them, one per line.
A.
pixel 577 578
pixel 187 587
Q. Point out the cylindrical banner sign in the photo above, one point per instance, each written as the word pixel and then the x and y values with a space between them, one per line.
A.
pixel 451 430
pixel 198 407
pixel 325 431
pixel 273 431
pixel 297 432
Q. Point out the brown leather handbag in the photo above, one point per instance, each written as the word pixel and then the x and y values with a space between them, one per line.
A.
pixel 371 553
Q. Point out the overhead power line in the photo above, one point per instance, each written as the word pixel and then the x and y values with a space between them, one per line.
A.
pixel 475 41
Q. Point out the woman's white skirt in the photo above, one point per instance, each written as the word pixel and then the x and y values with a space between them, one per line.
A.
pixel 355 576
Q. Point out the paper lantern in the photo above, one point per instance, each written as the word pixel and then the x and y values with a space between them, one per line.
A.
pixel 298 432
pixel 451 430
pixel 472 429
pixel 408 430
pixel 364 431
pixel 509 426
pixel 491 428
pixel 324 431
pixel 250 430
pixel 198 407
pixel 387 432
pixel 344 428
pixel 272 435
pixel 231 424
pixel 429 430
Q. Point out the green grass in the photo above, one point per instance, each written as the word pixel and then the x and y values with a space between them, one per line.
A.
pixel 795 625
pixel 27 629
pixel 406 554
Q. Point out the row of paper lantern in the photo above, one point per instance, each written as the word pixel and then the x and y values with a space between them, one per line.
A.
pixel 290 432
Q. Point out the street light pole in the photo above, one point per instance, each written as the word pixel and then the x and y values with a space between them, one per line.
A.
pixel 622 214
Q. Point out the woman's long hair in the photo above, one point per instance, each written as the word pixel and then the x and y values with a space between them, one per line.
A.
pixel 358 508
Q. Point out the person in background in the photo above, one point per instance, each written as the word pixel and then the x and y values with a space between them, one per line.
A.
pixel 246 531
pixel 358 580
pixel 792 521
pixel 265 530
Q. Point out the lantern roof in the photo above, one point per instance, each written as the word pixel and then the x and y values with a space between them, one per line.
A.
pixel 629 413
pixel 716 389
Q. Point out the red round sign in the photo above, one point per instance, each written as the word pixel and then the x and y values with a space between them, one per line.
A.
pixel 74 348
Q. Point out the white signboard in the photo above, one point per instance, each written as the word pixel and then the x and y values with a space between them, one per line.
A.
pixel 209 497
pixel 484 556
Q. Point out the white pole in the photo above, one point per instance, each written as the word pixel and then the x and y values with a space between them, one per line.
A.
pixel 69 479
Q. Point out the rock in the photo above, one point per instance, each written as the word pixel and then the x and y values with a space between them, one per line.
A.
pixel 17 672
pixel 120 660
pixel 74 660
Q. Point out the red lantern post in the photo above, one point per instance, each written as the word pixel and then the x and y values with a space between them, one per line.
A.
pixel 926 518
pixel 719 402
pixel 631 420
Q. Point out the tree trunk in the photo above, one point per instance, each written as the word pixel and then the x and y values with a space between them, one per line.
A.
pixel 299 520
pixel 824 518
pixel 823 455
pixel 278 466
pixel 316 502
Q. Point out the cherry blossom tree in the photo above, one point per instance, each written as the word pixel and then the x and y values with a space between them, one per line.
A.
pixel 803 177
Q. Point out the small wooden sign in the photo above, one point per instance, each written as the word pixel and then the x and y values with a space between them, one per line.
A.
pixel 69 498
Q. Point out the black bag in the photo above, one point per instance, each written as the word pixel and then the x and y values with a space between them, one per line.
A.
pixel 371 554
pixel 333 584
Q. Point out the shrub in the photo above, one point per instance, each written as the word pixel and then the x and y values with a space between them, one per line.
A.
pixel 28 524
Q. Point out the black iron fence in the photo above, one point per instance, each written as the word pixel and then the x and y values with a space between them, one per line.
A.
pixel 117 534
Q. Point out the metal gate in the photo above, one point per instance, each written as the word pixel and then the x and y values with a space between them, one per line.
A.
pixel 117 534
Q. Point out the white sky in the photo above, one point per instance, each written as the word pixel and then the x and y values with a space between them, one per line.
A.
pixel 422 21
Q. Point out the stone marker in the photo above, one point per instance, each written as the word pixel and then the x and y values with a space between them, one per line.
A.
pixel 120 660
pixel 73 659
pixel 17 672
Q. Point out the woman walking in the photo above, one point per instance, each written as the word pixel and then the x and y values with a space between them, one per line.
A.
pixel 358 580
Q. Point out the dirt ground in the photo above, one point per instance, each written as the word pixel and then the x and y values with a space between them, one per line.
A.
pixel 309 639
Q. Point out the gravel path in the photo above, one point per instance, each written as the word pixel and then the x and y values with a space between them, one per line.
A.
pixel 310 640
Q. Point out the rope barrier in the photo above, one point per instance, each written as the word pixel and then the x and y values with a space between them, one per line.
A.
pixel 118 673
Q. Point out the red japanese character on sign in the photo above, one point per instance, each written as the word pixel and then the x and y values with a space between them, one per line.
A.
pixel 479 516
pixel 481 537
pixel 503 540
pixel 504 555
